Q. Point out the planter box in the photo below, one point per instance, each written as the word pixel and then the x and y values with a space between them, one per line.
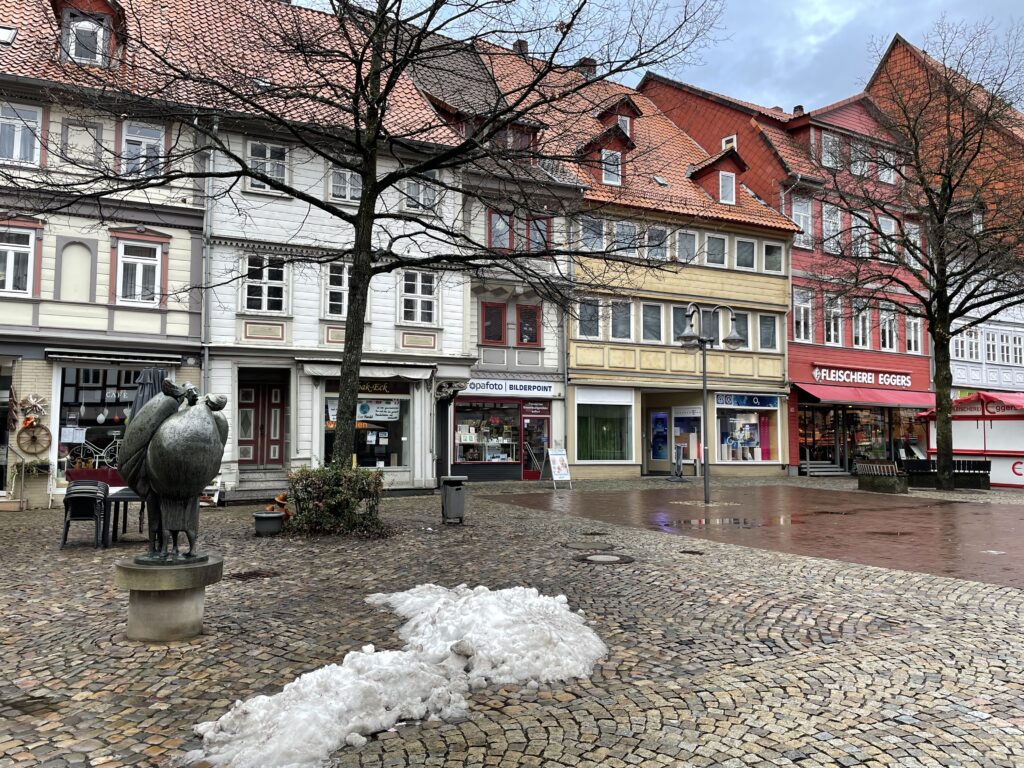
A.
pixel 883 483
pixel 268 523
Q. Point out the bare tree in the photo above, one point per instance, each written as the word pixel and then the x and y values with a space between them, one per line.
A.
pixel 937 228
pixel 391 93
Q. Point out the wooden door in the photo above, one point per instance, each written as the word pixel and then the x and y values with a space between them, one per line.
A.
pixel 261 413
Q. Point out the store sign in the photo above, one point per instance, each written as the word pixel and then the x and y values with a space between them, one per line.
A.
pixel 540 408
pixel 514 388
pixel 370 387
pixel 747 401
pixel 849 376
pixel 378 410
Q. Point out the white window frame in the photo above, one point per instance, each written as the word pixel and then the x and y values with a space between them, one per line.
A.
pixel 831 228
pixel 775 321
pixel 626 247
pixel 696 246
pixel 7 253
pixel 140 262
pixel 255 184
pixel 991 348
pixel 765 245
pixel 736 253
pixel 804 220
pixel 732 323
pixel 1018 350
pixel 611 172
pixel 416 198
pixel 611 321
pixel 625 122
pixel 860 158
pixel 421 299
pixel 912 235
pixel 833 315
pixel 600 315
pixel 661 323
pixel 886 166
pixel 666 240
pixel 831 150
pixel 583 239
pixel 1004 348
pixel 888 329
pixel 727 188
pixel 973 344
pixel 265 284
pixel 803 308
pixel 346 176
pixel 20 124
pixel 888 248
pixel 346 273
pixel 913 335
pixel 729 141
pixel 100 56
pixel 148 165
pixel 862 326
pixel 725 251
pixel 860 236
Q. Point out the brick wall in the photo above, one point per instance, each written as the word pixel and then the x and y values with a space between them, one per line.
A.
pixel 33 377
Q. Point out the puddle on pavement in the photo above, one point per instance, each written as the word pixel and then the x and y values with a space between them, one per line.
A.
pixel 888 533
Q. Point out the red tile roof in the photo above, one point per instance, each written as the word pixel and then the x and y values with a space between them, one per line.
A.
pixel 776 113
pixel 662 149
pixel 795 155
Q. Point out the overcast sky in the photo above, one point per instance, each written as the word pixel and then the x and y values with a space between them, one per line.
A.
pixel 814 52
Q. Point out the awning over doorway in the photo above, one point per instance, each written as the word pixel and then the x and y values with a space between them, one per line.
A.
pixel 867 396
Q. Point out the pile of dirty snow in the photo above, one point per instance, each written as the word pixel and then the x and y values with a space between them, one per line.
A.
pixel 455 640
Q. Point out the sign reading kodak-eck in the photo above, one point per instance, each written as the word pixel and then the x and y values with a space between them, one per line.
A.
pixel 828 374
pixel 377 387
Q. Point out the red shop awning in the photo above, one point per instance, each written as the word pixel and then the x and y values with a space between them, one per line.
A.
pixel 867 396
pixel 1012 399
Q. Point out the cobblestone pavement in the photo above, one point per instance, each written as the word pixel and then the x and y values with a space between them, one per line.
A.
pixel 720 655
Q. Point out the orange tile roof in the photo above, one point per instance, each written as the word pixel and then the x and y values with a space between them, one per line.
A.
pixel 795 156
pixel 662 149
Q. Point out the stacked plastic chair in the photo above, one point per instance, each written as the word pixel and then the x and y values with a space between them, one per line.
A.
pixel 85 500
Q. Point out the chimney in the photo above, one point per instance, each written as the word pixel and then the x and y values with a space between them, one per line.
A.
pixel 587 66
pixel 798 110
pixel 521 47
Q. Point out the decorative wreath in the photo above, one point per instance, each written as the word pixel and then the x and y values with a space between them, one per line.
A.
pixel 33 405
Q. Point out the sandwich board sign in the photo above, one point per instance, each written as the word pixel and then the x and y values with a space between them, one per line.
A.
pixel 559 466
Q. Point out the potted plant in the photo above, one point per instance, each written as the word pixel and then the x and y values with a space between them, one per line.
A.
pixel 271 520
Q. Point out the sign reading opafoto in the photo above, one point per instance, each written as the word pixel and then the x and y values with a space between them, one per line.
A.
pixel 514 388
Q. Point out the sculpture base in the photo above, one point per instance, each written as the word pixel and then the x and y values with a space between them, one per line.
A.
pixel 170 559
pixel 166 601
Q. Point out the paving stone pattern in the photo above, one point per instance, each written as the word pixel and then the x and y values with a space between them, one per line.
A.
pixel 719 655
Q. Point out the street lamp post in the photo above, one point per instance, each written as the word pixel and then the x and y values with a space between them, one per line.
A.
pixel 690 339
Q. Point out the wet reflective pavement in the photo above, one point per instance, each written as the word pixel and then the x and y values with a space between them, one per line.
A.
pixel 977 541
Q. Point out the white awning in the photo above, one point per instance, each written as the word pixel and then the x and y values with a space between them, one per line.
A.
pixel 407 373
pixel 92 357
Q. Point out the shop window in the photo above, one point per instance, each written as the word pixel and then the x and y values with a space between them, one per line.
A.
pixel 486 431
pixel 747 434
pixel 264 284
pixel 16 249
pixel 383 430
pixel 528 321
pixel 95 404
pixel 492 323
pixel 651 322
pixel 588 319
pixel 622 321
pixel 604 432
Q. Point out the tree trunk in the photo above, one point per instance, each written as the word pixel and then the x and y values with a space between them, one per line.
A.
pixel 355 326
pixel 943 411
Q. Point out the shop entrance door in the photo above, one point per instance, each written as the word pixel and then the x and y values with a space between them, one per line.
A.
pixel 535 435
pixel 261 425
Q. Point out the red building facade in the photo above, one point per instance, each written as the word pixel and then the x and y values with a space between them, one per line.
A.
pixel 860 372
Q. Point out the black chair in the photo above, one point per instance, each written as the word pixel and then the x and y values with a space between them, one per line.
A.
pixel 85 500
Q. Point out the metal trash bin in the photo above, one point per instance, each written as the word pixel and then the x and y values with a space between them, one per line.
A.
pixel 453 505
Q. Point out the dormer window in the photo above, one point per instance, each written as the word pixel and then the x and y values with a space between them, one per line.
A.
pixel 626 124
pixel 611 167
pixel 87 38
pixel 729 142
pixel 727 187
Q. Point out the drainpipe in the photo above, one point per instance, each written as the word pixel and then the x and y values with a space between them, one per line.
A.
pixel 208 258
pixel 562 319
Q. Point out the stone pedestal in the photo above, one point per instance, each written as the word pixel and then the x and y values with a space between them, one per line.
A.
pixel 166 602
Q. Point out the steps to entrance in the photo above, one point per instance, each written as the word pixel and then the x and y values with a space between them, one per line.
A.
pixel 257 485
pixel 822 469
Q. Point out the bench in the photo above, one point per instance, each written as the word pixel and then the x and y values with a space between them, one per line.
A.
pixel 967 473
pixel 881 477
